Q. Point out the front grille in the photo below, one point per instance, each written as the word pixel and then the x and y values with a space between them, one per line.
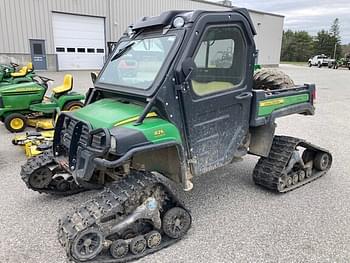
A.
pixel 71 136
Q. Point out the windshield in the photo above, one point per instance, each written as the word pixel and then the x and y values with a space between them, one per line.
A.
pixel 137 63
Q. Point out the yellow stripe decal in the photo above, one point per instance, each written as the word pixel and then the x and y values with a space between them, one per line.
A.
pixel 271 102
pixel 132 119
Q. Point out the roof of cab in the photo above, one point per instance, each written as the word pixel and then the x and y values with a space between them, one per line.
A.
pixel 166 18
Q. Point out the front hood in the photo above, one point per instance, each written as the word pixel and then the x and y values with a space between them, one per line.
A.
pixel 21 87
pixel 107 113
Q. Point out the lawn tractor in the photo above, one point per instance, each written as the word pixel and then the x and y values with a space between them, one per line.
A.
pixel 9 75
pixel 6 70
pixel 26 104
pixel 182 113
pixel 342 63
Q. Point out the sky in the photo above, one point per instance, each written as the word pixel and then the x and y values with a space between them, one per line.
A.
pixel 308 15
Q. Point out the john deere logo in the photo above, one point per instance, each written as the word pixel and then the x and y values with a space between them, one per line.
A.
pixel 158 133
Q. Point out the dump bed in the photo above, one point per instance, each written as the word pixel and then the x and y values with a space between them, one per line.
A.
pixel 269 105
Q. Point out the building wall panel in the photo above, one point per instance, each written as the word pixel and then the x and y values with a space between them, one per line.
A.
pixel 21 20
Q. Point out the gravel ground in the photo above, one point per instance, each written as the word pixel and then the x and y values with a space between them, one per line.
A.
pixel 234 220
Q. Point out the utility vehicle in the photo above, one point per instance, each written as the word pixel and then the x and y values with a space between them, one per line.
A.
pixel 321 60
pixel 25 103
pixel 9 75
pixel 181 114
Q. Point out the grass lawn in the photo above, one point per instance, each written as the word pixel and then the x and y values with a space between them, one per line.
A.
pixel 294 63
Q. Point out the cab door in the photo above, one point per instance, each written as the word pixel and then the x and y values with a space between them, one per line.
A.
pixel 216 104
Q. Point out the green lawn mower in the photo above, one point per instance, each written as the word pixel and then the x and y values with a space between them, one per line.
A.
pixel 9 75
pixel 25 104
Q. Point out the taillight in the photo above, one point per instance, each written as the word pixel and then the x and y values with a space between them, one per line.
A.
pixel 313 94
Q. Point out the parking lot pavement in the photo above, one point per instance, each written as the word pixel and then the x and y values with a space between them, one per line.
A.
pixel 233 220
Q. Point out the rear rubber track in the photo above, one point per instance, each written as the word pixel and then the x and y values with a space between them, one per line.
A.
pixel 270 170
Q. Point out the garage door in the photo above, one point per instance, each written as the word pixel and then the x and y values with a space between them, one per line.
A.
pixel 79 41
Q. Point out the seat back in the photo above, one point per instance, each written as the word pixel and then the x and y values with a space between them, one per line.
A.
pixel 21 73
pixel 30 66
pixel 66 86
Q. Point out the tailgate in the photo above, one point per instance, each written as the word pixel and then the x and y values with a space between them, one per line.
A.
pixel 269 105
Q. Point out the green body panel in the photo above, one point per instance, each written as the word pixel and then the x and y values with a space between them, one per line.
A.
pixel 70 96
pixel 279 103
pixel 106 113
pixel 19 97
pixel 157 130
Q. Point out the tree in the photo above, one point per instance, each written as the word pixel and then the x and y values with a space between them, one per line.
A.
pixel 336 38
pixel 296 46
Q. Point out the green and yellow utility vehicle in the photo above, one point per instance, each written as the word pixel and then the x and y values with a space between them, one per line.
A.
pixel 9 75
pixel 25 104
pixel 180 114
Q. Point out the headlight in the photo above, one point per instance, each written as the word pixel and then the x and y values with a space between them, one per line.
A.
pixel 179 22
pixel 113 144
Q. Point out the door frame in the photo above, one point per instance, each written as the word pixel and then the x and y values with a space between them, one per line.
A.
pixel 200 29
pixel 32 52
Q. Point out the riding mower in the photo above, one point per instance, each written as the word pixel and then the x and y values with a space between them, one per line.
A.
pixel 9 75
pixel 6 70
pixel 25 104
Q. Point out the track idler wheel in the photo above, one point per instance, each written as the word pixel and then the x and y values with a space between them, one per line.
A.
pixel 301 175
pixel 153 238
pixel 138 245
pixel 295 178
pixel 119 248
pixel 322 161
pixel 87 245
pixel 40 178
pixel 176 222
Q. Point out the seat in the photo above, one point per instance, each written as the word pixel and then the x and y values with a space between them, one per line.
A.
pixel 21 73
pixel 203 88
pixel 30 67
pixel 65 87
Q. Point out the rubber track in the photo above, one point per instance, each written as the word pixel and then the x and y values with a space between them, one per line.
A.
pixel 114 198
pixel 37 162
pixel 269 169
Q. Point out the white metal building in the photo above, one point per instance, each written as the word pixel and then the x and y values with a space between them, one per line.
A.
pixel 73 34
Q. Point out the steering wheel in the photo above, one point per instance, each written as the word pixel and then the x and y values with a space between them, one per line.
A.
pixel 44 80
pixel 14 65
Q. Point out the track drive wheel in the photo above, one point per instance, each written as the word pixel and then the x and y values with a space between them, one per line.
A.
pixel 16 122
pixel 73 105
pixel 176 222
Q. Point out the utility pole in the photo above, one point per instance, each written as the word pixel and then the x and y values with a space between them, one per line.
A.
pixel 335 50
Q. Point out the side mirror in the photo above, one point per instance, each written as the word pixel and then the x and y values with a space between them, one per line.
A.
pixel 188 68
pixel 93 77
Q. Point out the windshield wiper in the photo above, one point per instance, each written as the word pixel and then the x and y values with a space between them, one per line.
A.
pixel 122 51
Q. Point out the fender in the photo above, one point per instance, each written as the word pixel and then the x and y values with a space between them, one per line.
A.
pixel 63 99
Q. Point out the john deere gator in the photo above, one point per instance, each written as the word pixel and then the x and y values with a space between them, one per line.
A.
pixel 190 105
